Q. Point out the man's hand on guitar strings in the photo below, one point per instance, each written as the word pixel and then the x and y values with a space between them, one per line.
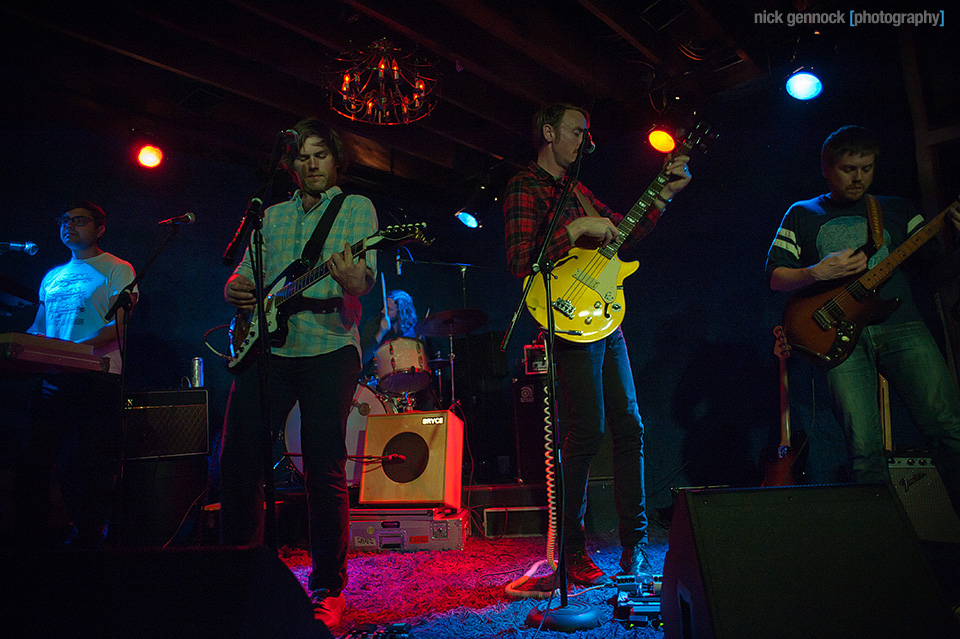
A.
pixel 239 291
pixel 839 264
pixel 353 276
pixel 591 232
pixel 678 175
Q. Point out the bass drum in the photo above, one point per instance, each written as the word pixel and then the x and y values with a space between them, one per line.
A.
pixel 366 401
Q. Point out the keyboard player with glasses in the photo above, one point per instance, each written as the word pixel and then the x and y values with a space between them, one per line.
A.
pixel 82 407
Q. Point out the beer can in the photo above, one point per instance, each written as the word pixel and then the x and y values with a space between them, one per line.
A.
pixel 196 372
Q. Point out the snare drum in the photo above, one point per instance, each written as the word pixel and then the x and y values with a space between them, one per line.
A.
pixel 366 401
pixel 402 366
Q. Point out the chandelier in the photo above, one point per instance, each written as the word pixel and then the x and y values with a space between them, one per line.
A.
pixel 381 85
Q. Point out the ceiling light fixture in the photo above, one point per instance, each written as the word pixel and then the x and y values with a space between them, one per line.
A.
pixel 670 126
pixel 803 84
pixel 478 204
pixel 382 85
pixel 149 156
pixel 811 50
pixel 144 148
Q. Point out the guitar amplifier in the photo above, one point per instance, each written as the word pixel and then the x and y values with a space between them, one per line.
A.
pixel 534 359
pixel 167 424
pixel 921 491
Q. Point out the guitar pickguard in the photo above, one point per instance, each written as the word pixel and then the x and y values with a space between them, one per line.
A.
pixel 587 295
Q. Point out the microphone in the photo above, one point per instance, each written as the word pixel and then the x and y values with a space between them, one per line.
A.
pixel 588 145
pixel 186 218
pixel 289 139
pixel 22 247
pixel 398 263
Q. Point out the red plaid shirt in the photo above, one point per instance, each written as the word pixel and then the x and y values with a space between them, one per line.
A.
pixel 531 195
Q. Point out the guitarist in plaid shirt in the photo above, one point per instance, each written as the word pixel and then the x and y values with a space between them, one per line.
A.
pixel 595 379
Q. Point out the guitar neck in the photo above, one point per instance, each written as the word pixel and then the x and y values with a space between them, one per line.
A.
pixel 639 210
pixel 784 406
pixel 882 271
pixel 311 277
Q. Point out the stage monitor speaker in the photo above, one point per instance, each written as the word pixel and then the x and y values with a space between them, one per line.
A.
pixel 196 592
pixel 427 469
pixel 798 562
pixel 923 495
pixel 167 424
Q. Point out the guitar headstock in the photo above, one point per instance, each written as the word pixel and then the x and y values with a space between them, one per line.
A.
pixel 399 234
pixel 698 138
pixel 781 347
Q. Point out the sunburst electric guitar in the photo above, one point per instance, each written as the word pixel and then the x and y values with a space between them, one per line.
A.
pixel 245 333
pixel 587 284
pixel 824 322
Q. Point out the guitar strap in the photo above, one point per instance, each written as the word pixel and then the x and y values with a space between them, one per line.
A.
pixel 314 246
pixel 585 203
pixel 874 224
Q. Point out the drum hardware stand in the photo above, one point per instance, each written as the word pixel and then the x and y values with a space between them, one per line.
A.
pixel 462 266
pixel 453 387
pixel 448 324
pixel 407 403
pixel 289 467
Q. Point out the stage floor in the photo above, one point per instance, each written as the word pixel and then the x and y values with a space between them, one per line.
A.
pixel 461 593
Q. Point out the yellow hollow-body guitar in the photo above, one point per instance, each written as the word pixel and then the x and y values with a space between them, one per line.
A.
pixel 587 284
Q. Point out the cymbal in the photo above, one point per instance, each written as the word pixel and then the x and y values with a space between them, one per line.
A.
pixel 457 321
pixel 437 364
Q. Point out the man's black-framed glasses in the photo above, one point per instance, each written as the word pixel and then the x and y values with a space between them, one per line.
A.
pixel 76 220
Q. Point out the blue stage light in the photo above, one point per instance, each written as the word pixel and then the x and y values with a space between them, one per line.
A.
pixel 468 219
pixel 804 85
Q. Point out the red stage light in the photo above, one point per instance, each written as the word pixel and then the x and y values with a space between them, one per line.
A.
pixel 661 140
pixel 150 156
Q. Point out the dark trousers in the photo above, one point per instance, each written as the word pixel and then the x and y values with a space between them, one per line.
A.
pixel 75 421
pixel 324 385
pixel 597 389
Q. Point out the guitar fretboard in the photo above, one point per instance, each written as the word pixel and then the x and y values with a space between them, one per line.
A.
pixel 879 273
pixel 311 277
pixel 639 210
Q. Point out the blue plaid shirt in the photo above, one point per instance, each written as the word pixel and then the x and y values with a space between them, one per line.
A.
pixel 286 230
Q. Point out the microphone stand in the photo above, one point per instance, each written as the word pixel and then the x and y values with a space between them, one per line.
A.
pixel 582 616
pixel 124 301
pixel 253 219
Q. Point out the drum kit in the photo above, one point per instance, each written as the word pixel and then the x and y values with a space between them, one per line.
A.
pixel 402 370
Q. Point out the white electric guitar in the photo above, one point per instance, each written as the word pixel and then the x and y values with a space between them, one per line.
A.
pixel 245 333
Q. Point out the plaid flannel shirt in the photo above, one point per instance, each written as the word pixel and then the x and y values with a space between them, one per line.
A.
pixel 531 196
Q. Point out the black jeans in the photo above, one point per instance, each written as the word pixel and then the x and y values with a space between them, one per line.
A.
pixel 597 389
pixel 75 421
pixel 324 385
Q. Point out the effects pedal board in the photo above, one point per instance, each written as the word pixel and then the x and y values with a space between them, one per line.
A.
pixel 638 603
pixel 371 631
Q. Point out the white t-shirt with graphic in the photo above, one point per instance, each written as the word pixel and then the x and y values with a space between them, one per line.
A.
pixel 76 296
